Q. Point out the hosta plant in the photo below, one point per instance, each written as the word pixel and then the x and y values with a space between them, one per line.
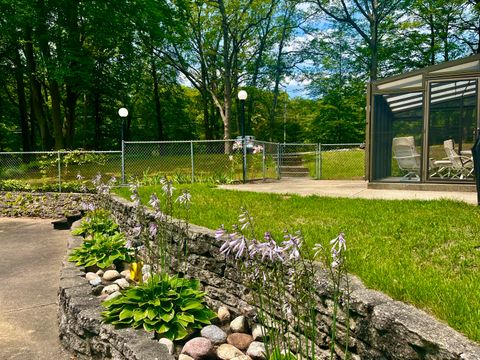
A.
pixel 102 250
pixel 173 307
pixel 96 221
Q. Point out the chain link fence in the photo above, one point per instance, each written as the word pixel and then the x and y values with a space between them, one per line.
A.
pixel 55 170
pixel 216 161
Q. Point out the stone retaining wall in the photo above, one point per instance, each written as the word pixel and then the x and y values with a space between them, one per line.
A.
pixel 43 205
pixel 380 328
pixel 80 327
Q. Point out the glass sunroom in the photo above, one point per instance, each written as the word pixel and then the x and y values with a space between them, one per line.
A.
pixel 421 125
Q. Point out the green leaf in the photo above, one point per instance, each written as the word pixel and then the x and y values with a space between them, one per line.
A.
pixel 138 315
pixel 151 313
pixel 191 304
pixel 167 317
pixel 125 313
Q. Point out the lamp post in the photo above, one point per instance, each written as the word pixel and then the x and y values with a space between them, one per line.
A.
pixel 123 113
pixel 242 96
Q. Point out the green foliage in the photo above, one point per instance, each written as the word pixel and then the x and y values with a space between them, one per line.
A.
pixel 278 354
pixel 14 185
pixel 98 221
pixel 171 306
pixel 102 250
pixel 394 249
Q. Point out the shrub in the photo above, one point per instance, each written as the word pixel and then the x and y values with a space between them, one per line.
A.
pixel 171 306
pixel 97 221
pixel 102 250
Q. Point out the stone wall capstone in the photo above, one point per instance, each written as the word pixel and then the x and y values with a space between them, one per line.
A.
pixel 379 327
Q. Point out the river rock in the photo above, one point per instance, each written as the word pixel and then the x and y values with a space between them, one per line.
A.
pixel 110 289
pixel 125 274
pixel 259 332
pixel 240 340
pixel 184 357
pixel 214 334
pixel 122 283
pixel 198 348
pixel 111 275
pixel 113 295
pixel 228 352
pixel 100 272
pixel 242 357
pixel 91 276
pixel 168 343
pixel 223 314
pixel 256 350
pixel 96 281
pixel 239 325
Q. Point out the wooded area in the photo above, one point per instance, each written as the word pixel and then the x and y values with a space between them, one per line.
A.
pixel 67 66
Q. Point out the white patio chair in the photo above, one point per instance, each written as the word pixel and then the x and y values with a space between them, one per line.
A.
pixel 406 155
pixel 461 166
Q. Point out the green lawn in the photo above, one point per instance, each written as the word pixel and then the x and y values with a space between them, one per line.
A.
pixel 147 163
pixel 423 252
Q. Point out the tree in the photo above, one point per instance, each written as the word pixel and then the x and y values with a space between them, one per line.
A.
pixel 370 19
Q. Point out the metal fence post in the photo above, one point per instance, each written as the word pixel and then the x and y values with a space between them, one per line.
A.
pixel 263 163
pixel 319 161
pixel 123 162
pixel 193 164
pixel 279 161
pixel 59 159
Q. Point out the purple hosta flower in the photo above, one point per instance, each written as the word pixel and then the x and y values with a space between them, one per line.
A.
pixel 185 198
pixel 152 230
pixel 220 232
pixel 167 187
pixel 235 244
pixel 97 180
pixel 87 206
pixel 272 251
pixel 245 219
pixel 136 230
pixel 257 149
pixel 237 145
pixel 112 181
pixel 292 245
pixel 337 258
pixel 255 248
pixel 154 201
pixel 318 248
pixel 230 157
pixel 83 188
pixel 158 215
pixel 80 177
pixel 339 243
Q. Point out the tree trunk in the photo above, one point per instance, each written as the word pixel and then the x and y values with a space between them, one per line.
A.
pixel 227 91
pixel 98 121
pixel 57 121
pixel 36 113
pixel 69 129
pixel 156 95
pixel 22 102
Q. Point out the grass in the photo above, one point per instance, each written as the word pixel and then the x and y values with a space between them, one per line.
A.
pixel 422 252
pixel 145 162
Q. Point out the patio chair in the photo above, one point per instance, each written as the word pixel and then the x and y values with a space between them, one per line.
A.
pixel 440 168
pixel 406 155
pixel 461 166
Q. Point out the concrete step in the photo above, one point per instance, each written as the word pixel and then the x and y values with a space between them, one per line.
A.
pixel 294 171
pixel 294 174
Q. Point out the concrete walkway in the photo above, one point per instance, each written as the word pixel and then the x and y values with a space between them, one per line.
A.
pixel 30 259
pixel 349 189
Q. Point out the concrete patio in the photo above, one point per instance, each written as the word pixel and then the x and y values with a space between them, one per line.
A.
pixel 348 189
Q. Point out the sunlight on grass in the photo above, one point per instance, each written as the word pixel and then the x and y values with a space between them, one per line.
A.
pixel 422 252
